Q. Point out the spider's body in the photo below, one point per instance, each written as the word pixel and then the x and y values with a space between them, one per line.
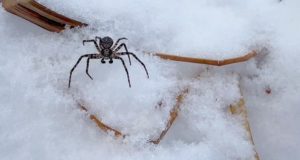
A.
pixel 107 50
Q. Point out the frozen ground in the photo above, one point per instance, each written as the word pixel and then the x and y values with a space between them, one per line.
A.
pixel 39 118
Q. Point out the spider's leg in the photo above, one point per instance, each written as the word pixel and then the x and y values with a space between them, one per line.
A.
pixel 117 42
pixel 119 47
pixel 87 68
pixel 123 53
pixel 99 38
pixel 86 55
pixel 95 43
pixel 125 69
pixel 110 61
pixel 96 38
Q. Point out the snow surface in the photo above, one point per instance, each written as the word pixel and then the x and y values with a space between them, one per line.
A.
pixel 40 120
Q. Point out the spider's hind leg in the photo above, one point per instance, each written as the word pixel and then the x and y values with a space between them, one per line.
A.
pixel 95 43
pixel 116 44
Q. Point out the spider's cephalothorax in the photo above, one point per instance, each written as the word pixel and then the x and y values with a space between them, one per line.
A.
pixel 107 50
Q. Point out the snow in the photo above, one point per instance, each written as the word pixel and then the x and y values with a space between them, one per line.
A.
pixel 39 118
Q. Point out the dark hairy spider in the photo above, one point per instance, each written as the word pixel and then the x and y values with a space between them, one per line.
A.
pixel 107 51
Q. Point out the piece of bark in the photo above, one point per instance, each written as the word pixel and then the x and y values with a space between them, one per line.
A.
pixel 40 15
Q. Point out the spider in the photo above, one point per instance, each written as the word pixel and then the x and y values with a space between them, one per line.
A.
pixel 107 51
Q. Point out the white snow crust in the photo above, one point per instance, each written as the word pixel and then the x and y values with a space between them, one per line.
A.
pixel 39 118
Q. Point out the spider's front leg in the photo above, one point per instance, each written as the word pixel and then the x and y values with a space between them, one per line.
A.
pixel 129 53
pixel 119 47
pixel 89 56
pixel 124 65
pixel 87 67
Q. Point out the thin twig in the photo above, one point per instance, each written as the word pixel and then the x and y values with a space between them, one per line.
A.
pixel 207 61
pixel 100 124
pixel 172 116
pixel 240 109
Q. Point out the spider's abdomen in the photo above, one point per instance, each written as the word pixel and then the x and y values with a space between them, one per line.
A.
pixel 106 52
pixel 106 42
